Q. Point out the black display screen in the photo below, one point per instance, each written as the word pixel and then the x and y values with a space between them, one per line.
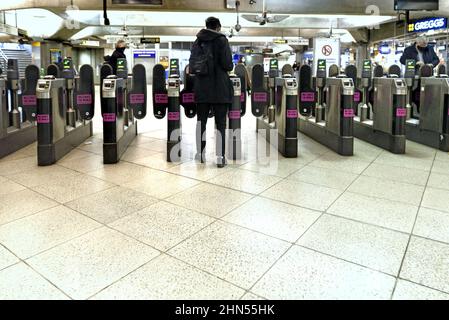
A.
pixel 415 5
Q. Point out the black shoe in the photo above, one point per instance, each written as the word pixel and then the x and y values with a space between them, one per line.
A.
pixel 200 158
pixel 221 162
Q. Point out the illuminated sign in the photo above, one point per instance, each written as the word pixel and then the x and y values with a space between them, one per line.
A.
pixel 427 25
pixel 280 41
pixel 152 40
pixel 143 53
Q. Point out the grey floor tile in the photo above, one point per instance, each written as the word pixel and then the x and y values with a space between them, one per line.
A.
pixel 195 170
pixel 137 152
pixel 6 258
pixel 336 162
pixel 246 181
pixel 387 172
pixel 304 274
pixel 370 246
pixel 432 224
pixel 277 219
pixel 21 204
pixel 8 186
pixel 161 184
pixel 440 167
pixel 386 189
pixel 121 173
pixel 382 212
pixel 111 204
pixel 75 154
pixel 436 199
pixel 209 199
pixel 303 194
pixel 406 290
pixel 426 263
pixel 87 264
pixel 442 156
pixel 85 164
pixel 275 167
pixel 168 278
pixel 162 225
pixel 93 147
pixel 231 253
pixel 324 177
pixel 405 160
pixel 251 296
pixel 439 180
pixel 16 166
pixel 72 188
pixel 20 282
pixel 33 234
pixel 37 176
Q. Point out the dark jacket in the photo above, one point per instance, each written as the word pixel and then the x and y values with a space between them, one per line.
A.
pixel 429 55
pixel 113 59
pixel 216 87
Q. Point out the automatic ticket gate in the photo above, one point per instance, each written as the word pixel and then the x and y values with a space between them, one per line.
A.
pixel 279 120
pixel 123 101
pixel 18 108
pixel 331 121
pixel 382 121
pixel 166 102
pixel 429 121
pixel 65 108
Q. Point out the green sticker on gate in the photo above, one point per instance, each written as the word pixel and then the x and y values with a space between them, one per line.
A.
pixel 274 64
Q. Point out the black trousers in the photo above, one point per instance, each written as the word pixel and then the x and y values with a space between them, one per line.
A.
pixel 220 112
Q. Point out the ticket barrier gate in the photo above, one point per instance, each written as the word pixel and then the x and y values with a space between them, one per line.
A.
pixel 382 123
pixel 234 137
pixel 166 102
pixel 18 108
pixel 332 123
pixel 282 115
pixel 65 108
pixel 429 121
pixel 123 101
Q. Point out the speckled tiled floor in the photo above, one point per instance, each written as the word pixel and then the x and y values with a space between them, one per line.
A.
pixel 322 226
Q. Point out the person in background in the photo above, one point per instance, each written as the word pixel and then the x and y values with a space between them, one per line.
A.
pixel 213 90
pixel 421 52
pixel 295 66
pixel 247 77
pixel 118 53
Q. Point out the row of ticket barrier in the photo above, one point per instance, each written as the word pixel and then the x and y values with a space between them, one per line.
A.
pixel 58 108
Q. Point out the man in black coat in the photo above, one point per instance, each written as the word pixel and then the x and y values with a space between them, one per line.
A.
pixel 421 52
pixel 214 91
pixel 119 52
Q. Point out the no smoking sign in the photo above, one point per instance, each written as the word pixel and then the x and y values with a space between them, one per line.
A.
pixel 326 50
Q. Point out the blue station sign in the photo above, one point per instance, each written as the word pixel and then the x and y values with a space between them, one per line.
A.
pixel 428 24
pixel 144 53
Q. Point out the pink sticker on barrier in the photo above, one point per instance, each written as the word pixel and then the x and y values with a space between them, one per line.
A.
pixel 348 113
pixel 307 96
pixel 188 98
pixel 260 97
pixel 82 99
pixel 234 114
pixel 401 112
pixel 356 96
pixel 161 98
pixel 136 98
pixel 242 97
pixel 29 100
pixel 292 113
pixel 173 116
pixel 43 118
pixel 109 117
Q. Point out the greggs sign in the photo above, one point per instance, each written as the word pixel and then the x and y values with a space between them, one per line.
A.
pixel 427 24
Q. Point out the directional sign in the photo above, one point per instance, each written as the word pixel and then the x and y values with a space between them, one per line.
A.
pixel 150 40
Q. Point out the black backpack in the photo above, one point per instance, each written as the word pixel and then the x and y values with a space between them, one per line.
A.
pixel 201 59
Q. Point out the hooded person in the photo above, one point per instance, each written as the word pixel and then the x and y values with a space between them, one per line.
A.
pixel 118 53
pixel 213 91
pixel 421 52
